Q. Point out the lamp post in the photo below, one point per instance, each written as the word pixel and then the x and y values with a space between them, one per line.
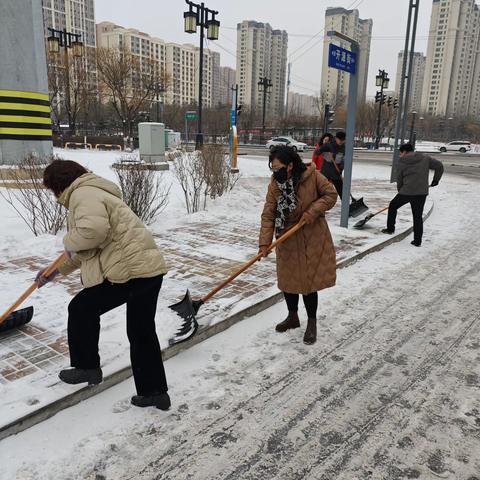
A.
pixel 264 85
pixel 159 89
pixel 200 16
pixel 66 40
pixel 382 81
pixel 412 128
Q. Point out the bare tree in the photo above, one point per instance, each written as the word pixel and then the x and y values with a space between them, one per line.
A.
pixel 129 84
pixel 26 194
pixel 69 87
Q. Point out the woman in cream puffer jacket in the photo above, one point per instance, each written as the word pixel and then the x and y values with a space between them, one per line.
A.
pixel 119 263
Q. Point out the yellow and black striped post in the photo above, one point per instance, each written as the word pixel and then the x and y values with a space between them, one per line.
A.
pixel 25 116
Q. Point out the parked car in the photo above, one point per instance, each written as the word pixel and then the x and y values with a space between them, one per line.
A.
pixel 456 147
pixel 291 142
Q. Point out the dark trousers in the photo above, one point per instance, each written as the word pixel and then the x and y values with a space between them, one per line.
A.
pixel 417 203
pixel 310 301
pixel 338 184
pixel 141 296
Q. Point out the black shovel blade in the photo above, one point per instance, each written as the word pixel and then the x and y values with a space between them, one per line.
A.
pixel 17 319
pixel 357 207
pixel 361 223
pixel 187 309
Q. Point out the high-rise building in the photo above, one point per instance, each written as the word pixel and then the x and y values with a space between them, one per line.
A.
pixel 179 62
pixel 302 105
pixel 77 16
pixel 335 82
pixel 452 74
pixel 418 73
pixel 227 81
pixel 261 52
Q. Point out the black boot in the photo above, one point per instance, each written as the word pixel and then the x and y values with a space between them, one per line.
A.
pixel 92 376
pixel 310 336
pixel 388 231
pixel 159 400
pixel 416 243
pixel 292 321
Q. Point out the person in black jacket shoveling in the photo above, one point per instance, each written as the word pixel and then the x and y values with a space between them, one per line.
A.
pixel 332 167
pixel 412 184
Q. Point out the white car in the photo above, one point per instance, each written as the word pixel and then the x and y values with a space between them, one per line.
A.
pixel 289 141
pixel 456 147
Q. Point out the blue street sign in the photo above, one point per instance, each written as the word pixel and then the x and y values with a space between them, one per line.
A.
pixel 342 59
pixel 233 117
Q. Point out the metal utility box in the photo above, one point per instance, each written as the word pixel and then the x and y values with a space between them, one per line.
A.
pixel 151 138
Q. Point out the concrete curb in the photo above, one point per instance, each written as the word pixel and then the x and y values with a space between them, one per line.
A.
pixel 113 379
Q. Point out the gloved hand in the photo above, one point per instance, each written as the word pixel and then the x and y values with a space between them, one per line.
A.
pixel 307 218
pixel 434 184
pixel 41 280
pixel 264 251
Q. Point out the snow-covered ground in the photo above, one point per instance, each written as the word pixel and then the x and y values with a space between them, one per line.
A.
pixel 241 207
pixel 390 391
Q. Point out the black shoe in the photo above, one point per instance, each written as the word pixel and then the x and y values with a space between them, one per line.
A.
pixel 310 336
pixel 73 376
pixel 416 244
pixel 159 400
pixel 389 232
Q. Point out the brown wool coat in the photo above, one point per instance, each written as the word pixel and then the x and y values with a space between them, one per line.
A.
pixel 306 262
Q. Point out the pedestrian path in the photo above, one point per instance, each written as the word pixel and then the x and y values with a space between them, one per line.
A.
pixel 201 252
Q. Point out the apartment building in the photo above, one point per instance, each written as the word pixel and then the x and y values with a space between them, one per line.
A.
pixel 418 74
pixel 179 62
pixel 261 52
pixel 302 105
pixel 335 83
pixel 227 82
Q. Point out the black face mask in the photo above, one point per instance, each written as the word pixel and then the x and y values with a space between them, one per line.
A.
pixel 281 175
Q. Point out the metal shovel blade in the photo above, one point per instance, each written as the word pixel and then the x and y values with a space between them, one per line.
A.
pixel 17 319
pixel 187 309
pixel 357 207
pixel 361 223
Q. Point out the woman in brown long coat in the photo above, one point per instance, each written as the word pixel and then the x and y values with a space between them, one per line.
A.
pixel 306 262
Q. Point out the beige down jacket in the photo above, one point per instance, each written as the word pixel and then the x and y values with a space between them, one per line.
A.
pixel 108 241
pixel 306 262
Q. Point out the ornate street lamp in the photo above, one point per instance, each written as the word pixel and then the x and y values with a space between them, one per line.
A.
pixel 200 16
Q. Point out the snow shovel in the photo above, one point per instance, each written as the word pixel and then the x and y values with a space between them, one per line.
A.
pixel 361 223
pixel 16 318
pixel 188 308
pixel 357 207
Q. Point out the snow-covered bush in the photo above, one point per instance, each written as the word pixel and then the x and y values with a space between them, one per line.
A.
pixel 25 193
pixel 204 174
pixel 144 191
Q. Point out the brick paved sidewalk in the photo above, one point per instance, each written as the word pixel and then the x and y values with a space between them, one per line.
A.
pixel 201 252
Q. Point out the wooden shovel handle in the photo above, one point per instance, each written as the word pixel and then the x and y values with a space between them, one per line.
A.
pixel 380 211
pixel 254 260
pixel 50 269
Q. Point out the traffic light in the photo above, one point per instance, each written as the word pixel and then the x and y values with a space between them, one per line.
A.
pixel 390 101
pixel 239 110
pixel 328 118
pixel 395 103
pixel 378 97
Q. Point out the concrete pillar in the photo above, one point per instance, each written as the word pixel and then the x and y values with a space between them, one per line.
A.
pixel 25 124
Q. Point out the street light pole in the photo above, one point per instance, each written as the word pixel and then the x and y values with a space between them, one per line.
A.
pixel 66 40
pixel 412 128
pixel 382 82
pixel 263 85
pixel 200 16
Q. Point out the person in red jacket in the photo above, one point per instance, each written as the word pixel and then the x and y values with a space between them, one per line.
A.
pixel 318 156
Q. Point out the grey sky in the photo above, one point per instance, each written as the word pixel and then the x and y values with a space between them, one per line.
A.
pixel 300 18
